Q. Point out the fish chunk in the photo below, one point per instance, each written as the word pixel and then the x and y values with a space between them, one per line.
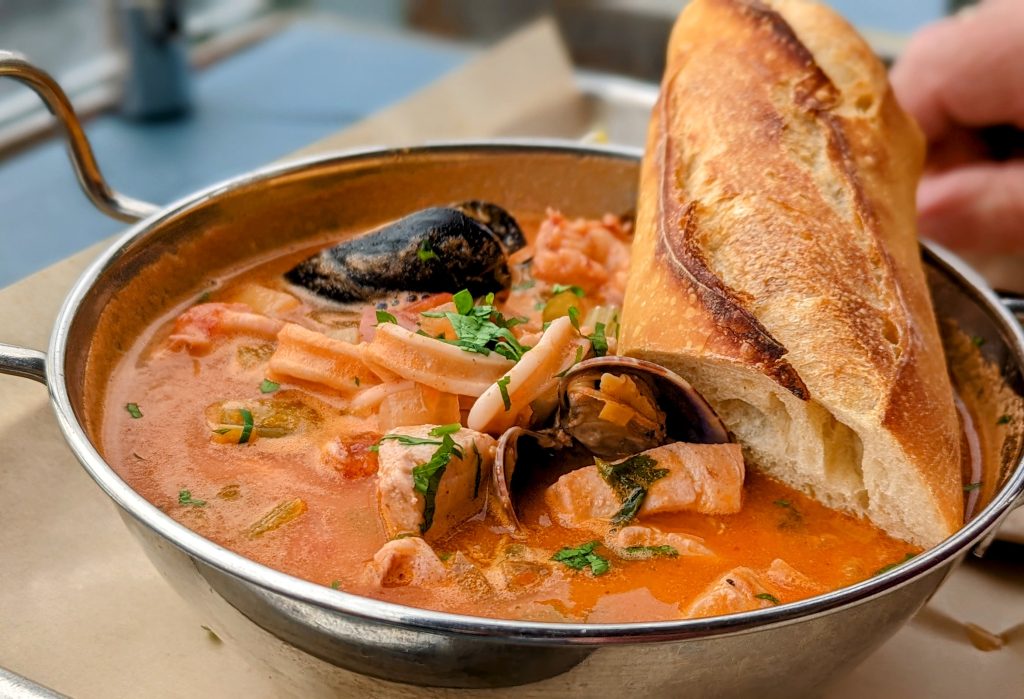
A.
pixel 460 491
pixel 705 478
pixel 407 561
pixel 638 536
pixel 743 589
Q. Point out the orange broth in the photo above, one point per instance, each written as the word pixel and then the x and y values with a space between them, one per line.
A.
pixel 169 450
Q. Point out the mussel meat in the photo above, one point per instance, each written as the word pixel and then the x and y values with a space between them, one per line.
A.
pixel 610 407
pixel 462 246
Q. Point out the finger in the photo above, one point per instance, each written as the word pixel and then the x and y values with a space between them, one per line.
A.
pixel 976 207
pixel 966 70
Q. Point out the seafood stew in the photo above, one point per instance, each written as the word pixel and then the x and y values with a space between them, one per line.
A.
pixel 434 414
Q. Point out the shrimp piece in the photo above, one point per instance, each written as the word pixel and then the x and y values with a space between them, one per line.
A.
pixel 197 327
pixel 591 254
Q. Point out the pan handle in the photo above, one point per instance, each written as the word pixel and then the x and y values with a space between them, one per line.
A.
pixel 26 363
pixel 88 172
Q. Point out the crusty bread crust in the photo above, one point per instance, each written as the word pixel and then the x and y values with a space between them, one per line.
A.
pixel 776 265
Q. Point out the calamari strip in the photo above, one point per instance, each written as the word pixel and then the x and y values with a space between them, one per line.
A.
pixel 534 375
pixel 311 356
pixel 433 363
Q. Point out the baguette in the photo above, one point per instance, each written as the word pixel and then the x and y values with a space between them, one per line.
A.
pixel 776 265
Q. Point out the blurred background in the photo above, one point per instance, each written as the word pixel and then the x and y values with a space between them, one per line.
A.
pixel 178 94
pixel 83 42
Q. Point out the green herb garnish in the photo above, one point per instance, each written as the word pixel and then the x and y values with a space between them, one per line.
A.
pixel 385 317
pixel 463 301
pixel 133 410
pixel 335 584
pixel 794 518
pixel 562 288
pixel 644 552
pixel 425 252
pixel 978 340
pixel 247 424
pixel 222 430
pixel 481 329
pixel 583 556
pixel 426 477
pixel 524 285
pixel 972 486
pixel 203 297
pixel 269 386
pixel 185 498
pixel 768 596
pixel 1003 419
pixel 891 566
pixel 503 389
pixel 442 430
pixel 598 340
pixel 630 480
pixel 574 317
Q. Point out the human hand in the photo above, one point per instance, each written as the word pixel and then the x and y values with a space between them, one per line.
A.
pixel 963 80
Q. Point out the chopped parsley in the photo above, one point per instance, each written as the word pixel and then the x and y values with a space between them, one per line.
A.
pixel 481 329
pixel 185 498
pixel 335 584
pixel 574 317
pixel 385 317
pixel 247 425
pixel 972 486
pixel 583 556
pixel 794 518
pixel 133 410
pixel 630 480
pixel 269 386
pixel 442 430
pixel 644 552
pixel 1003 419
pixel 524 285
pixel 503 389
pixel 598 340
pixel 562 288
pixel 425 252
pixel 768 596
pixel 978 340
pixel 426 477
pixel 891 566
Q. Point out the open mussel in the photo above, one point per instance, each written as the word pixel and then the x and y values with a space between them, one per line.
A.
pixel 609 407
pixel 462 246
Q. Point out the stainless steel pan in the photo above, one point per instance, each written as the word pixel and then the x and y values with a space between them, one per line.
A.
pixel 786 651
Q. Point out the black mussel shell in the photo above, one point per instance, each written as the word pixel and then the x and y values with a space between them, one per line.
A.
pixel 464 246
